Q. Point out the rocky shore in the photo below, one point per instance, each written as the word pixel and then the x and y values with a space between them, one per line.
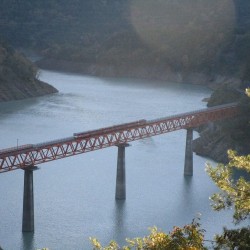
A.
pixel 218 137
pixel 18 76
pixel 22 90
pixel 213 143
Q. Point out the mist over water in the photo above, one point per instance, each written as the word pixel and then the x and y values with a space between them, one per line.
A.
pixel 75 197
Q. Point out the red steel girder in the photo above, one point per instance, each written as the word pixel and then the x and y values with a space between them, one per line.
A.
pixel 42 153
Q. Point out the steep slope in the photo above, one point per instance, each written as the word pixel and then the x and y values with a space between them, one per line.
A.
pixel 193 41
pixel 18 77
pixel 215 139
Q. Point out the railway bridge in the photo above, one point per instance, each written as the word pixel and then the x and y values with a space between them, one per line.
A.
pixel 28 156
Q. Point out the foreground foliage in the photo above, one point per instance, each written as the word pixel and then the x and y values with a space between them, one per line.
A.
pixel 234 193
pixel 233 239
pixel 190 237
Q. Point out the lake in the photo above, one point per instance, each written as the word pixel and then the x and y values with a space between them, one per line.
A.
pixel 75 197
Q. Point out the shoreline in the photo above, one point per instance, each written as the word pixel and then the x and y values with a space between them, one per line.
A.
pixel 24 90
pixel 158 73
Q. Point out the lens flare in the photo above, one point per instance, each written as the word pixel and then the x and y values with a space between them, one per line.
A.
pixel 184 30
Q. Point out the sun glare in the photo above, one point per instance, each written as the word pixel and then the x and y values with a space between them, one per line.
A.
pixel 182 29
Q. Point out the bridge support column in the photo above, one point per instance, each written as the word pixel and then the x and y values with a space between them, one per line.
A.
pixel 188 167
pixel 28 200
pixel 120 193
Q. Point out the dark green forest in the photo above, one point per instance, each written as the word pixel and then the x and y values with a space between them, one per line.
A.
pixel 42 23
pixel 71 30
pixel 161 36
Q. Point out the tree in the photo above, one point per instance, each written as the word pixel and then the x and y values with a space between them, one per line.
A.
pixel 233 239
pixel 190 237
pixel 248 92
pixel 235 193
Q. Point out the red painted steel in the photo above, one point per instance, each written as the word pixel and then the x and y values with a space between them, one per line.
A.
pixel 33 154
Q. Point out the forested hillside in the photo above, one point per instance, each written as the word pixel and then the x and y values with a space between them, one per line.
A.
pixel 178 41
pixel 41 23
pixel 18 76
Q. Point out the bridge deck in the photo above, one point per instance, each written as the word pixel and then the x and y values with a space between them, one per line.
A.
pixel 32 154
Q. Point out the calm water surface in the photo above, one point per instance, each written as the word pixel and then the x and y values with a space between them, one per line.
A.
pixel 74 197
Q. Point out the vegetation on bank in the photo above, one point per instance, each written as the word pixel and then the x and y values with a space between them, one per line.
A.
pixel 235 194
pixel 14 66
pixel 190 237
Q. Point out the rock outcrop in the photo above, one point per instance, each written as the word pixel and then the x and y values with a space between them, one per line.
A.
pixel 18 77
pixel 10 91
pixel 216 138
pixel 213 143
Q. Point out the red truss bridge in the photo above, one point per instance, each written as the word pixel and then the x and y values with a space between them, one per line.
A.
pixel 28 155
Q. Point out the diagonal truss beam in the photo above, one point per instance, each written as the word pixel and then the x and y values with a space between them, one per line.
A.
pixel 40 153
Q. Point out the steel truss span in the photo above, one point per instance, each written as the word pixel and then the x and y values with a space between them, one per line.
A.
pixel 33 154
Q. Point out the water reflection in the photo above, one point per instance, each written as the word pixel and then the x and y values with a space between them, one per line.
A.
pixel 187 182
pixel 187 191
pixel 120 217
pixel 187 203
pixel 15 106
pixel 28 241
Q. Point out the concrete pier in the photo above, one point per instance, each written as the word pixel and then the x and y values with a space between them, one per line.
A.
pixel 120 193
pixel 28 200
pixel 188 167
